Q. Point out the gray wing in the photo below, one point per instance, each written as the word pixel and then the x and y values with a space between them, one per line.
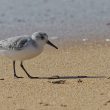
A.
pixel 14 43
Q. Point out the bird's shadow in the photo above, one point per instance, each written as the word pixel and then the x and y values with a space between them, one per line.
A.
pixel 72 77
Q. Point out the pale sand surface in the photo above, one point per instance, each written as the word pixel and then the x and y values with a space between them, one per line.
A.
pixel 73 59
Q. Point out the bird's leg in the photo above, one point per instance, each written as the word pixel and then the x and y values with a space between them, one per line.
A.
pixel 27 72
pixel 15 71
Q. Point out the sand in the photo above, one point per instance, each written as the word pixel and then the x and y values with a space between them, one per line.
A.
pixel 75 77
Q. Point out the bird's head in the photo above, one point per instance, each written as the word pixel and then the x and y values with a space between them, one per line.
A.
pixel 42 38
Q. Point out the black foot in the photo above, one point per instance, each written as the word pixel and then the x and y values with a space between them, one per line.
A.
pixel 17 76
pixel 31 77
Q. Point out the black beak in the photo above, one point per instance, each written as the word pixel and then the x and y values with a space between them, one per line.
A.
pixel 48 42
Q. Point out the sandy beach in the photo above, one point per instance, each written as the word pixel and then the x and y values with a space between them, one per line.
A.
pixel 75 77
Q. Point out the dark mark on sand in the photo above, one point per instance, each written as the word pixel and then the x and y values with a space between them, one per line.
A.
pixel 63 105
pixel 107 102
pixel 44 104
pixel 80 81
pixel 9 97
pixel 57 82
pixel 2 79
pixel 102 94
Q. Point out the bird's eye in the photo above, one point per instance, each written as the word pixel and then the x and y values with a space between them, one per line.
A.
pixel 42 37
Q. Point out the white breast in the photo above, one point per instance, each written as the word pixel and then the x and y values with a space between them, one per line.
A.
pixel 25 54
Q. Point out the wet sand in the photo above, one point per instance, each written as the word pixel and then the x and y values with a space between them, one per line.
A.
pixel 75 77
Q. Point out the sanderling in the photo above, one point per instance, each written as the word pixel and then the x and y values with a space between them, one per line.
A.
pixel 23 48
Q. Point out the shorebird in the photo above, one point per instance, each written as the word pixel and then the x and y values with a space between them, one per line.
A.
pixel 23 48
